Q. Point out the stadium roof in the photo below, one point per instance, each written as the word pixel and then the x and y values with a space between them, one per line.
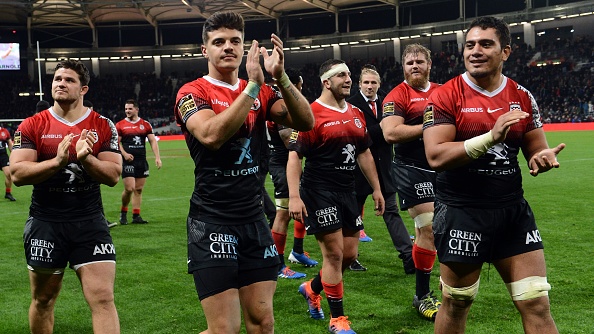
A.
pixel 91 12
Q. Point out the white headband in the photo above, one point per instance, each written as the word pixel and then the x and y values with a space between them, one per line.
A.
pixel 342 67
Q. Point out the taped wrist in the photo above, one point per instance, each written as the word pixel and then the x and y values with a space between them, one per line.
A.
pixel 284 80
pixel 252 89
pixel 479 145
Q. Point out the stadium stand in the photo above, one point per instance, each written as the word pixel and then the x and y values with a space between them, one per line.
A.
pixel 564 91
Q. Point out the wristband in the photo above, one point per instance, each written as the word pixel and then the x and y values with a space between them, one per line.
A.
pixel 284 80
pixel 252 89
pixel 479 145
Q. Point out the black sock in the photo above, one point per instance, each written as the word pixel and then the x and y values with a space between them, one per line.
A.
pixel 316 284
pixel 298 245
pixel 422 279
pixel 336 308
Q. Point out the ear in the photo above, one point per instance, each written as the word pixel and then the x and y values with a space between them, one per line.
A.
pixel 505 52
pixel 203 50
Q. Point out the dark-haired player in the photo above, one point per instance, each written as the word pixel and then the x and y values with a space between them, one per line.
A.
pixel 325 198
pixel 231 253
pixel 133 132
pixel 474 128
pixel 66 153
pixel 278 140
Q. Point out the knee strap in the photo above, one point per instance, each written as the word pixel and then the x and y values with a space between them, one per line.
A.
pixel 423 219
pixel 466 293
pixel 282 203
pixel 528 288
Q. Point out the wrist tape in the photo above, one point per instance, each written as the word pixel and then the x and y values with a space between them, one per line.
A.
pixel 252 89
pixel 284 80
pixel 479 145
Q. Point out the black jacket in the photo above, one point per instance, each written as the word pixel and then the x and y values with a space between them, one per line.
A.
pixel 382 151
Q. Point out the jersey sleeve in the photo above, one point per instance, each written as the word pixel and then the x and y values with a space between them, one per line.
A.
pixel 24 136
pixel 110 142
pixel 440 108
pixel 191 98
pixel 300 142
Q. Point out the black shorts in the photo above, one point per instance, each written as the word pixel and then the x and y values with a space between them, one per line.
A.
pixel 5 161
pixel 478 235
pixel 414 185
pixel 54 245
pixel 279 179
pixel 239 247
pixel 330 210
pixel 137 169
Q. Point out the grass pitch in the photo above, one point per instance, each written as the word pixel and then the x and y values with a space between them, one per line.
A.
pixel 155 295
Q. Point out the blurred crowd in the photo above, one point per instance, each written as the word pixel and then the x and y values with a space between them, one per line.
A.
pixel 559 74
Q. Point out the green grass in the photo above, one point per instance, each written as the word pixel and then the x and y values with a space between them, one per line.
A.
pixel 155 295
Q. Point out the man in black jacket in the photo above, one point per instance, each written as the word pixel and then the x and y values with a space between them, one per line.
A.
pixel 370 102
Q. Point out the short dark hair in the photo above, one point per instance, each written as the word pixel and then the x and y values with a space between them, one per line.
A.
pixel 327 65
pixel 88 104
pixel 370 67
pixel 501 28
pixel 41 106
pixel 78 67
pixel 294 75
pixel 222 19
pixel 132 102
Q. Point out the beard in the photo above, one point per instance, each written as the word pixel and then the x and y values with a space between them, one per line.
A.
pixel 418 82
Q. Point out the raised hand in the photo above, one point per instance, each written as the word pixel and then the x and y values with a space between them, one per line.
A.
pixel 63 147
pixel 275 62
pixel 84 145
pixel 504 122
pixel 545 160
pixel 252 64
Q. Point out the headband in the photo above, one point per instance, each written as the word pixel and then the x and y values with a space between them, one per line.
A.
pixel 342 67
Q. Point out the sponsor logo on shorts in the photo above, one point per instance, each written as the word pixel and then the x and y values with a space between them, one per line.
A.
pixel 424 190
pixel 464 243
pixel 327 216
pixel 41 250
pixel 104 249
pixel 533 237
pixel 270 251
pixel 223 246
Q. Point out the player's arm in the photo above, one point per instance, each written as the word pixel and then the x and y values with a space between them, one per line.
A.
pixel 293 110
pixel 536 150
pixel 26 170
pixel 444 153
pixel 285 135
pixel 127 156
pixel 297 209
pixel 155 147
pixel 367 166
pixel 395 131
pixel 10 143
pixel 105 168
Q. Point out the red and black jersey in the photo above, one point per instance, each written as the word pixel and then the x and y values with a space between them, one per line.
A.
pixel 227 188
pixel 134 136
pixel 71 193
pixel 279 154
pixel 331 147
pixel 4 138
pixel 409 103
pixel 495 178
